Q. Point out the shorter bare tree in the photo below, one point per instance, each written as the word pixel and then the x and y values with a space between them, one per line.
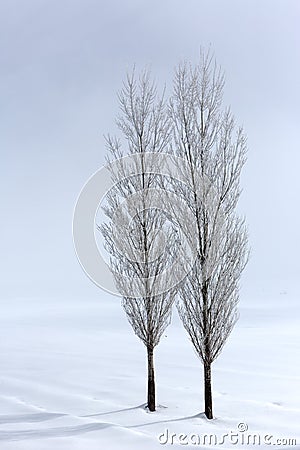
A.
pixel 136 230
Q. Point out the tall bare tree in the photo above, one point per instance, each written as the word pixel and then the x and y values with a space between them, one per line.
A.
pixel 136 232
pixel 214 151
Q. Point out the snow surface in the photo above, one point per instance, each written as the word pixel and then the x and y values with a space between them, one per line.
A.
pixel 73 374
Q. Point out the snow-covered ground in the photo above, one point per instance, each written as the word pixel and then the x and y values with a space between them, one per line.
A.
pixel 73 377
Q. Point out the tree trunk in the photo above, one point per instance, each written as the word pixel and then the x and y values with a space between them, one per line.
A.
pixel 151 380
pixel 207 391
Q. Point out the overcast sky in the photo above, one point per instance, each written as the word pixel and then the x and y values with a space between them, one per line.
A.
pixel 62 63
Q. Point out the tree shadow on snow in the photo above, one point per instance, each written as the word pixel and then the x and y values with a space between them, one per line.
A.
pixel 143 406
pixel 179 419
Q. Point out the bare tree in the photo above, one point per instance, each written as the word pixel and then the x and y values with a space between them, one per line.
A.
pixel 214 151
pixel 136 231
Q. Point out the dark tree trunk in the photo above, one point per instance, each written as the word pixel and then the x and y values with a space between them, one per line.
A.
pixel 207 391
pixel 151 380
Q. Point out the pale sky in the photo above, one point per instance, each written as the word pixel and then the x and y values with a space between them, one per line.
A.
pixel 62 63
